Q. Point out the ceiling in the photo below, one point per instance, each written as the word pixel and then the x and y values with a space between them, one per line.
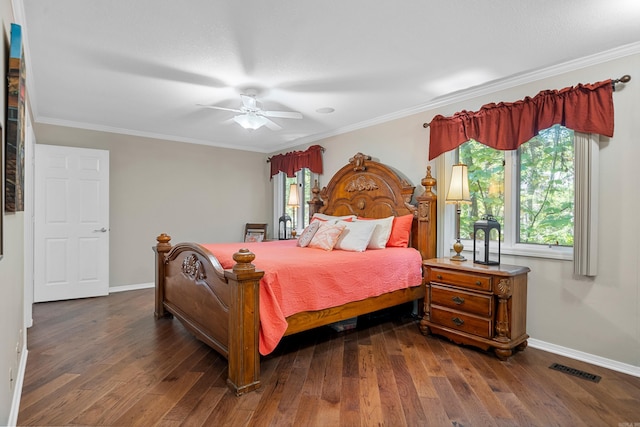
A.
pixel 142 67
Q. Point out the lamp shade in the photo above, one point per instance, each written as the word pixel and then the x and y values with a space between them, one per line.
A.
pixel 293 196
pixel 459 187
pixel 250 121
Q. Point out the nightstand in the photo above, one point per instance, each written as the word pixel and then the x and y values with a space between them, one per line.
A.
pixel 480 305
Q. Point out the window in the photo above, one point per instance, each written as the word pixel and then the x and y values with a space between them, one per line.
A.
pixel 530 191
pixel 545 193
pixel 304 181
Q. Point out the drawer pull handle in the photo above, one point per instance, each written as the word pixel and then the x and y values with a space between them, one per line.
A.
pixel 458 300
pixel 479 283
pixel 458 321
pixel 439 276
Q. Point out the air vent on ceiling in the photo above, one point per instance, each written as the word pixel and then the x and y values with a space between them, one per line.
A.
pixel 575 372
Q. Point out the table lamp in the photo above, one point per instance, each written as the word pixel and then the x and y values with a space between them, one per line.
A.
pixel 458 193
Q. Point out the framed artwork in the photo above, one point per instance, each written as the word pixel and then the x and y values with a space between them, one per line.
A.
pixel 14 142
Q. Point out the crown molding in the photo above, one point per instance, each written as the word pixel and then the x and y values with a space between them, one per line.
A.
pixel 484 89
pixel 151 135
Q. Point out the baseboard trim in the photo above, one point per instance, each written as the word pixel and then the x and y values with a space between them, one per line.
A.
pixel 125 288
pixel 17 389
pixel 586 357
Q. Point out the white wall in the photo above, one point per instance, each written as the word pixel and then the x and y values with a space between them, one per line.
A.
pixel 599 316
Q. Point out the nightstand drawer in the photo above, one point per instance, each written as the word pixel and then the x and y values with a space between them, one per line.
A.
pixel 479 304
pixel 457 278
pixel 469 323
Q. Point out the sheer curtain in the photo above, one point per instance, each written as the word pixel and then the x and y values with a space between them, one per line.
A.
pixel 585 235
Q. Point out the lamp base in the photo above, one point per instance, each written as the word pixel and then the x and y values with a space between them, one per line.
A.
pixel 458 247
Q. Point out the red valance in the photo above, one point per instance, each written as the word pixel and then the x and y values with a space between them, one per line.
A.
pixel 293 161
pixel 584 108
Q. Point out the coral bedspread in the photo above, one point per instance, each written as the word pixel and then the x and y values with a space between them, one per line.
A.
pixel 307 279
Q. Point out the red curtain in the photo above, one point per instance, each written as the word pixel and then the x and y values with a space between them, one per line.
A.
pixel 292 162
pixel 584 108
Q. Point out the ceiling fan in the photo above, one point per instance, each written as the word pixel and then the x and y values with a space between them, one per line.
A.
pixel 252 116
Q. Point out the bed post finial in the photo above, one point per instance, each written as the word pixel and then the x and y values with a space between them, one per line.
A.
pixel 243 260
pixel 316 202
pixel 163 242
pixel 427 216
pixel 315 190
pixel 428 182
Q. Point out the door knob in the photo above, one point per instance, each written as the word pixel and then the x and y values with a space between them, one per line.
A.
pixel 102 230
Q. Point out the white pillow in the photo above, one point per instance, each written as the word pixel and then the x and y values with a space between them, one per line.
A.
pixel 331 218
pixel 381 233
pixel 356 236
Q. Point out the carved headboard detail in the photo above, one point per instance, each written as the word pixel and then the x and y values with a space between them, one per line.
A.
pixel 367 188
pixel 358 162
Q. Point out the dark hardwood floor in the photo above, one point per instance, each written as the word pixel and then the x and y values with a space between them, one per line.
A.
pixel 107 362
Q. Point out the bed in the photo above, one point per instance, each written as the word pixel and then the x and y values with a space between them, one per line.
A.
pixel 217 298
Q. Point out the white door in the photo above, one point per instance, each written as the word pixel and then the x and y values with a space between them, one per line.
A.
pixel 71 249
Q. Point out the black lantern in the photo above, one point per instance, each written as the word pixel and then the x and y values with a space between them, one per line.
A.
pixel 284 227
pixel 486 241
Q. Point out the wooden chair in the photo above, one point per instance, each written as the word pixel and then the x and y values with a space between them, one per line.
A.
pixel 254 232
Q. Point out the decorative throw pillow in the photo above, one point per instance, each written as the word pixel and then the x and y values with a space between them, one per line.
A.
pixel 331 218
pixel 356 235
pixel 254 237
pixel 308 233
pixel 326 236
pixel 381 233
pixel 400 231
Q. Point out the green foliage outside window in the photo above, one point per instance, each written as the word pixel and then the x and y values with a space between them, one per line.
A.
pixel 485 167
pixel 544 186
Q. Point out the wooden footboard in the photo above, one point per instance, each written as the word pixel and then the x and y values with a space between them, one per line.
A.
pixel 220 307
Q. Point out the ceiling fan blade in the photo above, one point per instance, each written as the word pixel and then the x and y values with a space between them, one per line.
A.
pixel 219 108
pixel 249 102
pixel 283 114
pixel 272 125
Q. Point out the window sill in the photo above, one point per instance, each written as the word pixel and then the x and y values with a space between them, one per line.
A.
pixel 560 253
pixel 552 252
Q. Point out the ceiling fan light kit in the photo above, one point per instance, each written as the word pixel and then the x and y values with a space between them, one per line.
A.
pixel 250 121
pixel 253 116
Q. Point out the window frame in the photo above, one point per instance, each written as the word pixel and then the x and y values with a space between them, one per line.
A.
pixel 509 245
pixel 280 186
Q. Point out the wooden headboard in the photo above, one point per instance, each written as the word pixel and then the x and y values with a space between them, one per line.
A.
pixel 371 189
